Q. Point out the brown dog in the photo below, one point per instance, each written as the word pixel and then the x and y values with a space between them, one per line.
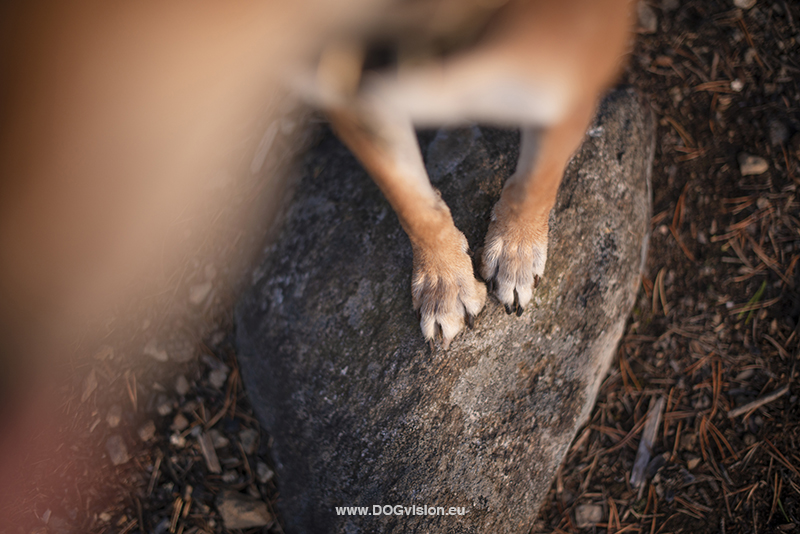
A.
pixel 536 64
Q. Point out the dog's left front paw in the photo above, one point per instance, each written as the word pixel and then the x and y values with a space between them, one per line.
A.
pixel 514 257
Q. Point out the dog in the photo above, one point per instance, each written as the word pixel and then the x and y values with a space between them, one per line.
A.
pixel 539 65
pixel 112 110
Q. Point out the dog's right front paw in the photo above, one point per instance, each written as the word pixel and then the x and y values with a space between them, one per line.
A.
pixel 444 290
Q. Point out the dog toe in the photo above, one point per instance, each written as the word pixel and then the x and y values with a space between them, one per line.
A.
pixel 446 295
pixel 513 263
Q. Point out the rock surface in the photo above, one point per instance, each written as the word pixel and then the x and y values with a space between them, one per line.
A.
pixel 363 413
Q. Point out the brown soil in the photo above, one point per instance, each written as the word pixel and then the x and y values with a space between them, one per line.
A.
pixel 716 323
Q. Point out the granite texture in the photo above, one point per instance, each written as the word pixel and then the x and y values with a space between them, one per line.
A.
pixel 363 413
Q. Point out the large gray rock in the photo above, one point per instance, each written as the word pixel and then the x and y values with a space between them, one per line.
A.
pixel 363 413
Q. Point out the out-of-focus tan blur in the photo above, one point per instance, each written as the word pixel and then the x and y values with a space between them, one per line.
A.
pixel 115 116
pixel 116 120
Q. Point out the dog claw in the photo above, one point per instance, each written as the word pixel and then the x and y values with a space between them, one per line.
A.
pixel 517 307
pixel 536 280
pixel 470 321
pixel 490 286
pixel 509 309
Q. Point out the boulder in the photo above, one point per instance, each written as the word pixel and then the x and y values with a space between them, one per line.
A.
pixel 363 413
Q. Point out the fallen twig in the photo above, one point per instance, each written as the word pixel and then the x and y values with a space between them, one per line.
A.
pixel 653 421
pixel 750 406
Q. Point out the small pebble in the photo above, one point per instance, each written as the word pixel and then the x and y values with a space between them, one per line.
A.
pixel 114 416
pixel 648 20
pixel 180 423
pixel 219 441
pixel 147 431
pixel 117 450
pixel 180 347
pixel 181 385
pixel 249 439
pixel 229 477
pixel 217 377
pixel 164 406
pixel 264 473
pixel 242 511
pixel 750 165
pixel 212 362
pixel 737 86
pixel 587 515
pixel 176 440
pixel 692 463
pixel 199 292
pixel 152 349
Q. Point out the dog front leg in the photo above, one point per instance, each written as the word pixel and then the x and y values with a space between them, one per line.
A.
pixel 444 290
pixel 515 252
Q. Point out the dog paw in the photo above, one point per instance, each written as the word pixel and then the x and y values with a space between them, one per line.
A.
pixel 514 257
pixel 444 290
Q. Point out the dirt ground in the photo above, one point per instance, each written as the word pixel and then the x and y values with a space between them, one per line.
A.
pixel 715 328
pixel 716 322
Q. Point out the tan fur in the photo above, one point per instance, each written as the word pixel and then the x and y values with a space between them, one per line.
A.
pixel 565 54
